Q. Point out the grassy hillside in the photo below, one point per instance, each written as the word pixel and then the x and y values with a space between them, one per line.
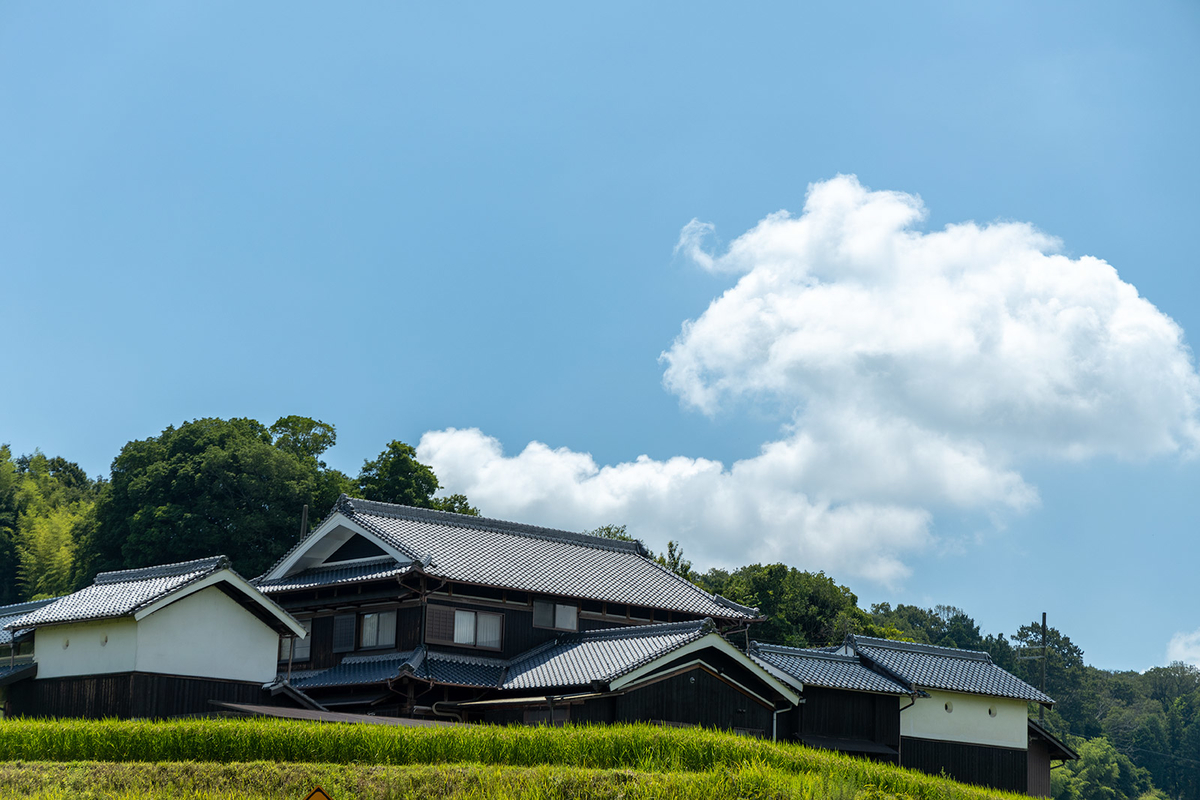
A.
pixel 284 759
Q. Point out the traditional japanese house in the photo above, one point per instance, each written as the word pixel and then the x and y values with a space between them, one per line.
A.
pixel 154 642
pixel 430 614
pixel 936 709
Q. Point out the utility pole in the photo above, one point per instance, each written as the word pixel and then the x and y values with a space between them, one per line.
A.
pixel 1041 707
pixel 1045 648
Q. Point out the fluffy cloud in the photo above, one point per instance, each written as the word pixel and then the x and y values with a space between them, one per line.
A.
pixel 982 334
pixel 1185 647
pixel 724 516
pixel 918 371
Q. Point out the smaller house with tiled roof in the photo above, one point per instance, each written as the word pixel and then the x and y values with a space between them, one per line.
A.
pixel 158 641
pixel 926 707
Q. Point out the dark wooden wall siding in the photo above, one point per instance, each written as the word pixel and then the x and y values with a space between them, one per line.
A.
pixel 695 697
pixel 321 654
pixel 408 630
pixel 849 715
pixel 1038 769
pixel 128 695
pixel 997 767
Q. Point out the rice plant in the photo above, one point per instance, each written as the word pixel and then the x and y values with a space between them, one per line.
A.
pixel 632 760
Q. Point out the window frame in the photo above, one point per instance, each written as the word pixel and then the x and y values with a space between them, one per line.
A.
pixel 555 607
pixel 362 628
pixel 452 613
pixel 285 650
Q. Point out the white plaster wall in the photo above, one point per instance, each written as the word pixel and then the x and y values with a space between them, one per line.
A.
pixel 970 721
pixel 206 634
pixel 85 648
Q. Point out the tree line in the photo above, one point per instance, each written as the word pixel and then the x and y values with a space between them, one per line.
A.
pixel 236 486
pixel 208 486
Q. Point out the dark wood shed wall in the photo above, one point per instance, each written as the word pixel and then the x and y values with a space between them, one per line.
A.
pixel 845 714
pixel 129 694
pixel 1038 768
pixel 997 767
pixel 692 697
pixel 696 697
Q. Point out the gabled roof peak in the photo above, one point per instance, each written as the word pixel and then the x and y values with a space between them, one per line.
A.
pixel 350 506
pixel 179 569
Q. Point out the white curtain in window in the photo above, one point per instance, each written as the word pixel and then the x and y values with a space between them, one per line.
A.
pixel 464 627
pixel 387 629
pixel 488 631
pixel 566 617
pixel 370 629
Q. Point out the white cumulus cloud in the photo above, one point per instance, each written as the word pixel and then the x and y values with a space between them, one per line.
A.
pixel 1185 647
pixel 918 371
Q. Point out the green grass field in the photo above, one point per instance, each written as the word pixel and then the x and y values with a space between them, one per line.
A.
pixel 285 759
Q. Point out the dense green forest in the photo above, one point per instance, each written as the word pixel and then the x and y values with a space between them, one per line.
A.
pixel 236 487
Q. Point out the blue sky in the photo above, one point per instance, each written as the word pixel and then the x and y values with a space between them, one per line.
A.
pixel 410 220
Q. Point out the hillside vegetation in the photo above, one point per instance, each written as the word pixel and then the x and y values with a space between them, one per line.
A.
pixel 285 759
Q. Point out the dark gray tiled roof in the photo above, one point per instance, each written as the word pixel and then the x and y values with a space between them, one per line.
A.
pixel 115 594
pixel 334 576
pixel 932 667
pixel 581 658
pixel 815 668
pixel 356 671
pixel 14 612
pixel 461 670
pixel 525 557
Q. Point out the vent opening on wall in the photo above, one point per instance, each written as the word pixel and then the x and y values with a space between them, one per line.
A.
pixel 949 707
pixel 991 711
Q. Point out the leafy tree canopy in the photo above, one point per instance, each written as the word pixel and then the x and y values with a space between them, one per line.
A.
pixel 210 486
pixel 303 437
pixel 397 477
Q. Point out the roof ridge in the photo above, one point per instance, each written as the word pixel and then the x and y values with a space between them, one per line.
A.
pixel 919 647
pixel 801 652
pixel 351 506
pixel 176 570
pixel 438 655
pixel 375 658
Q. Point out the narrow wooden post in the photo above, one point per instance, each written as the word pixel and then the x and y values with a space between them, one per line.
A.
pixel 1042 707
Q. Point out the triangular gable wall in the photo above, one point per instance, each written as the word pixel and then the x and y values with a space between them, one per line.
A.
pixel 325 541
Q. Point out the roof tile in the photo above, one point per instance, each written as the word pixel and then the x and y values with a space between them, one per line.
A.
pixel 831 670
pixel 116 594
